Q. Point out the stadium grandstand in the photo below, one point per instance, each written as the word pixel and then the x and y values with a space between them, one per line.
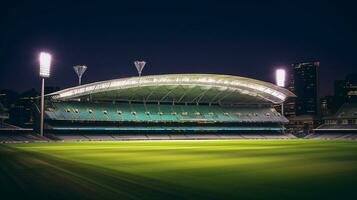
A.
pixel 173 103
pixel 12 133
pixel 342 125
pixel 3 115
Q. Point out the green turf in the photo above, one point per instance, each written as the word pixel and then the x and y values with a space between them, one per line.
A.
pixel 206 169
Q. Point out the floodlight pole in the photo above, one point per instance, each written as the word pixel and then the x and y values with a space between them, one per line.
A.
pixel 80 69
pixel 280 81
pixel 139 66
pixel 282 109
pixel 42 104
pixel 45 66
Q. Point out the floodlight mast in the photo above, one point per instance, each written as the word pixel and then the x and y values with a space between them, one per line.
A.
pixel 45 68
pixel 280 75
pixel 139 66
pixel 80 69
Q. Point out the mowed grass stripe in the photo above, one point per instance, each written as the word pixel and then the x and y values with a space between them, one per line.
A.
pixel 47 177
pixel 254 169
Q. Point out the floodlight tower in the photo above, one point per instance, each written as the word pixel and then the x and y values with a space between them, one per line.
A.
pixel 139 66
pixel 280 75
pixel 80 69
pixel 45 68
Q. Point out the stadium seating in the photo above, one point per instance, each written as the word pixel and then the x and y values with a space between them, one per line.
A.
pixel 89 111
pixel 343 124
pixel 22 138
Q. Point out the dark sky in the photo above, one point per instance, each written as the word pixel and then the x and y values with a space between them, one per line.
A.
pixel 225 37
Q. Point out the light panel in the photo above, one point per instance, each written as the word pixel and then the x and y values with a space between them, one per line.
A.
pixel 45 64
pixel 280 77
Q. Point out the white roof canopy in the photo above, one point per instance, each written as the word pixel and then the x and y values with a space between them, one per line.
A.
pixel 195 88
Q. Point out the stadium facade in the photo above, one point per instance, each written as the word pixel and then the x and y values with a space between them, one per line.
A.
pixel 344 121
pixel 170 103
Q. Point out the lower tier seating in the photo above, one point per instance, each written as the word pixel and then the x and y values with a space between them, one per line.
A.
pixel 91 111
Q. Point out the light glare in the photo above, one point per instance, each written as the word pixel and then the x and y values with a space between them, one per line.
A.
pixel 280 77
pixel 45 64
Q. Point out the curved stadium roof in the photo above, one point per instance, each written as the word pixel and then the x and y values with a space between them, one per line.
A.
pixel 188 88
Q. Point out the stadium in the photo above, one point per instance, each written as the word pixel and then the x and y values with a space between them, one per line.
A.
pixel 178 100
pixel 175 136
pixel 185 103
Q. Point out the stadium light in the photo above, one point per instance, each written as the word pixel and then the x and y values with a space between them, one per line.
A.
pixel 280 77
pixel 80 69
pixel 45 64
pixel 45 69
pixel 280 81
pixel 139 66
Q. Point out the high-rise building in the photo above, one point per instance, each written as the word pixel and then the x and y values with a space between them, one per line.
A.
pixel 23 112
pixel 306 88
pixel 346 90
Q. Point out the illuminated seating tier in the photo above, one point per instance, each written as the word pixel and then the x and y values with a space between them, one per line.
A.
pixel 89 111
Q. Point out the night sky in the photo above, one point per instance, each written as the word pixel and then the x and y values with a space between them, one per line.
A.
pixel 224 37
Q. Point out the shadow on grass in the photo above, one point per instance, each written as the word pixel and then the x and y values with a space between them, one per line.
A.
pixel 31 175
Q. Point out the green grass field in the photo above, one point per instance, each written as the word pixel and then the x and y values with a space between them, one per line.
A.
pixel 200 169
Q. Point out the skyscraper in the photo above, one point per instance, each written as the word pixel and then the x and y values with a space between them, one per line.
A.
pixel 346 90
pixel 306 88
